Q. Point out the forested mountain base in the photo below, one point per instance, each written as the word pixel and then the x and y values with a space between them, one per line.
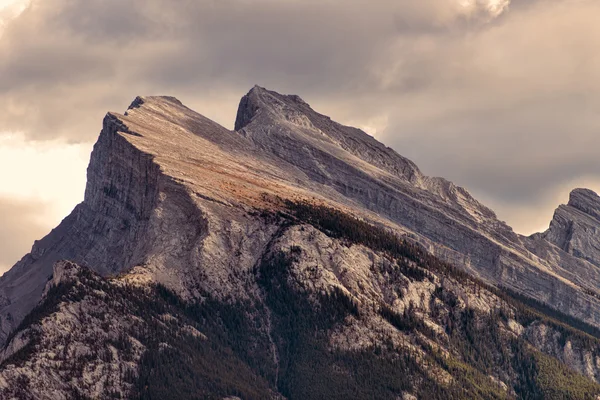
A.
pixel 428 334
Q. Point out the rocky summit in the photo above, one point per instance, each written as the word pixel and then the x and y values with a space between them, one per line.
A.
pixel 295 258
pixel 575 226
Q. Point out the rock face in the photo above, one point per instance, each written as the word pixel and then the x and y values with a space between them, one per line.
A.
pixel 575 227
pixel 364 175
pixel 73 334
pixel 103 231
pixel 177 200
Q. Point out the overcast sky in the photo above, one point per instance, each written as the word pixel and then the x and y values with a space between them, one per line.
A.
pixel 500 96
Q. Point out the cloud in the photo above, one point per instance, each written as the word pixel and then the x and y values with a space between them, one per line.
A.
pixel 97 54
pixel 20 224
pixel 10 9
pixel 32 168
pixel 499 96
pixel 40 184
pixel 490 9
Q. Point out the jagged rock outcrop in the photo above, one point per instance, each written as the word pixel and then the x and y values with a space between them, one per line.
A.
pixel 570 247
pixel 76 349
pixel 575 227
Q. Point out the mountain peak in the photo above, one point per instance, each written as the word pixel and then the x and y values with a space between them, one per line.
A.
pixel 585 200
pixel 573 227
pixel 139 101
pixel 247 108
pixel 260 98
pixel 136 103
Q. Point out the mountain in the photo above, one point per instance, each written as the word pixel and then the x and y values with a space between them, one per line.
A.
pixel 575 226
pixel 305 256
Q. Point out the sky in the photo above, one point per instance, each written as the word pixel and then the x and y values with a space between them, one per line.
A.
pixel 500 96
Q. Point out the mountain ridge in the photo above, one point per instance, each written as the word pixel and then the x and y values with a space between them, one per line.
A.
pixel 282 149
pixel 176 201
pixel 574 226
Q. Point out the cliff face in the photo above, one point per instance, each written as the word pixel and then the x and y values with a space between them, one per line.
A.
pixel 103 231
pixel 176 200
pixel 575 226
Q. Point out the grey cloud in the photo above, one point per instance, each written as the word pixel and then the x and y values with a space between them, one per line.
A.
pixel 110 50
pixel 19 225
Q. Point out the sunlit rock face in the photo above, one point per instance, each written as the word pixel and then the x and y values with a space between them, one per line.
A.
pixel 575 227
pixel 172 197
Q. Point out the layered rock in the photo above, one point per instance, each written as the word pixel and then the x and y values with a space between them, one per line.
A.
pixel 364 175
pixel 575 227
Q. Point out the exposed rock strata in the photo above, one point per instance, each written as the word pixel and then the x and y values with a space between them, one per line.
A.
pixel 575 227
